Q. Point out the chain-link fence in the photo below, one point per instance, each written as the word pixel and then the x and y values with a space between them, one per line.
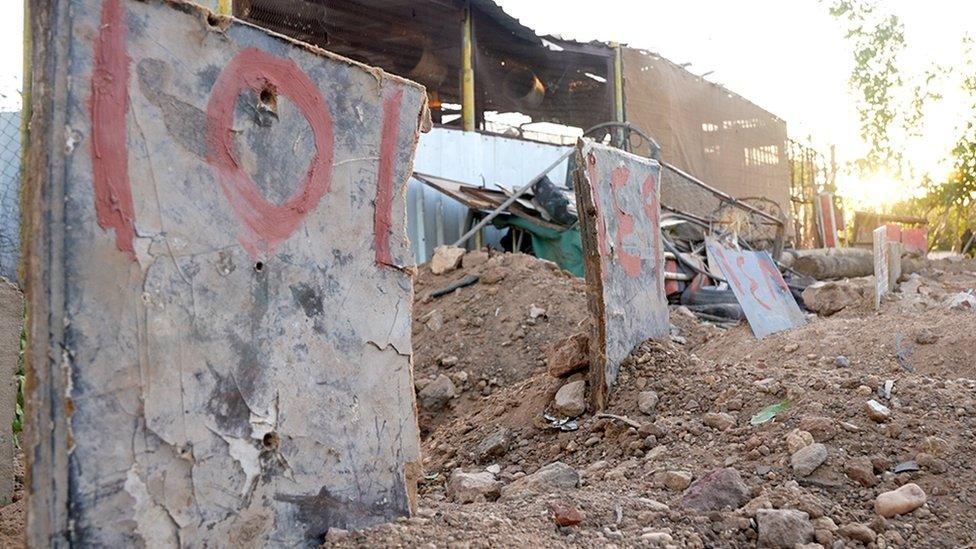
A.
pixel 10 177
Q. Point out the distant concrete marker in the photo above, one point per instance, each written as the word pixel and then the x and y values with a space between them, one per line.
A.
pixel 882 281
pixel 219 293
pixel 618 198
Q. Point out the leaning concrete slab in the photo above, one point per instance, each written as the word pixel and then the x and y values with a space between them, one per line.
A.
pixel 758 286
pixel 618 198
pixel 11 322
pixel 220 306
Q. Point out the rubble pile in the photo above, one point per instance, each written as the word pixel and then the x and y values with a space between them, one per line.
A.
pixel 477 339
pixel 855 430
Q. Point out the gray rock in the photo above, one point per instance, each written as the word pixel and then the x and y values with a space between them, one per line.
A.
pixel 495 444
pixel 436 394
pixel 570 400
pixel 470 487
pixel 858 532
pixel 720 489
pixel 719 421
pixel 842 362
pixel 556 476
pixel 647 402
pixel 806 460
pixel 783 528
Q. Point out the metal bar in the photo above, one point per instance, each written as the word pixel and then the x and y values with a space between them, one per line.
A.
pixel 467 72
pixel 421 226
pixel 721 194
pixel 511 200
pixel 439 220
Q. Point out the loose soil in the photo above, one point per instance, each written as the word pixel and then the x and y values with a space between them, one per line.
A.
pixel 485 339
pixel 707 370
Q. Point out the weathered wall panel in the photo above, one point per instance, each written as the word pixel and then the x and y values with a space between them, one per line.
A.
pixel 232 365
pixel 619 203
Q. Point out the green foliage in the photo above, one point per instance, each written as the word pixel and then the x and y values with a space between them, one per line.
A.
pixel 18 424
pixel 891 104
pixel 877 41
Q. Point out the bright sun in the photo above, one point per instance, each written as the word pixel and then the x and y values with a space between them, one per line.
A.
pixel 877 192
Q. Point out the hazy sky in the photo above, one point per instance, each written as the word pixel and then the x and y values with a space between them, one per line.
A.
pixel 788 56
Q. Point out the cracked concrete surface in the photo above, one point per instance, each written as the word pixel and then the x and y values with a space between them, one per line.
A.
pixel 216 392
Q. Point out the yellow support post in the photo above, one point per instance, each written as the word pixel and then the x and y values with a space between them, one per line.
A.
pixel 467 72
pixel 225 7
pixel 618 83
pixel 618 93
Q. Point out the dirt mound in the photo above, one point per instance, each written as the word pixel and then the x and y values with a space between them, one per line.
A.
pixel 637 463
pixel 12 516
pixel 493 333
pixel 701 423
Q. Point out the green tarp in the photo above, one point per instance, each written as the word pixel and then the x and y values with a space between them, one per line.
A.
pixel 561 247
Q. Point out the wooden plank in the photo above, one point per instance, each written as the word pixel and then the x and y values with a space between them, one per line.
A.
pixel 881 276
pixel 219 283
pixel 759 288
pixel 828 220
pixel 618 199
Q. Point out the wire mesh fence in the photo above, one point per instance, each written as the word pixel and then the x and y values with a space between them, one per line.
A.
pixel 10 184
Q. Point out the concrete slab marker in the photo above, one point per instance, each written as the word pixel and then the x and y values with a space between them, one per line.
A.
pixel 219 280
pixel 618 198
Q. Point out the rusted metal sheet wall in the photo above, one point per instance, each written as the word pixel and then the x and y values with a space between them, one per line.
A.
pixel 759 288
pixel 495 161
pixel 618 198
pixel 220 311
pixel 707 131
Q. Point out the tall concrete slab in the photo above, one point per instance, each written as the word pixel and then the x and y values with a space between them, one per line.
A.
pixel 218 279
pixel 11 322
pixel 618 199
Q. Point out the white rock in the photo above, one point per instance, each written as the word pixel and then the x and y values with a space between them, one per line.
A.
pixel 445 259
pixel 876 411
pixel 898 502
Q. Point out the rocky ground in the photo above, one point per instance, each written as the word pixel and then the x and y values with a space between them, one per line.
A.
pixel 873 445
